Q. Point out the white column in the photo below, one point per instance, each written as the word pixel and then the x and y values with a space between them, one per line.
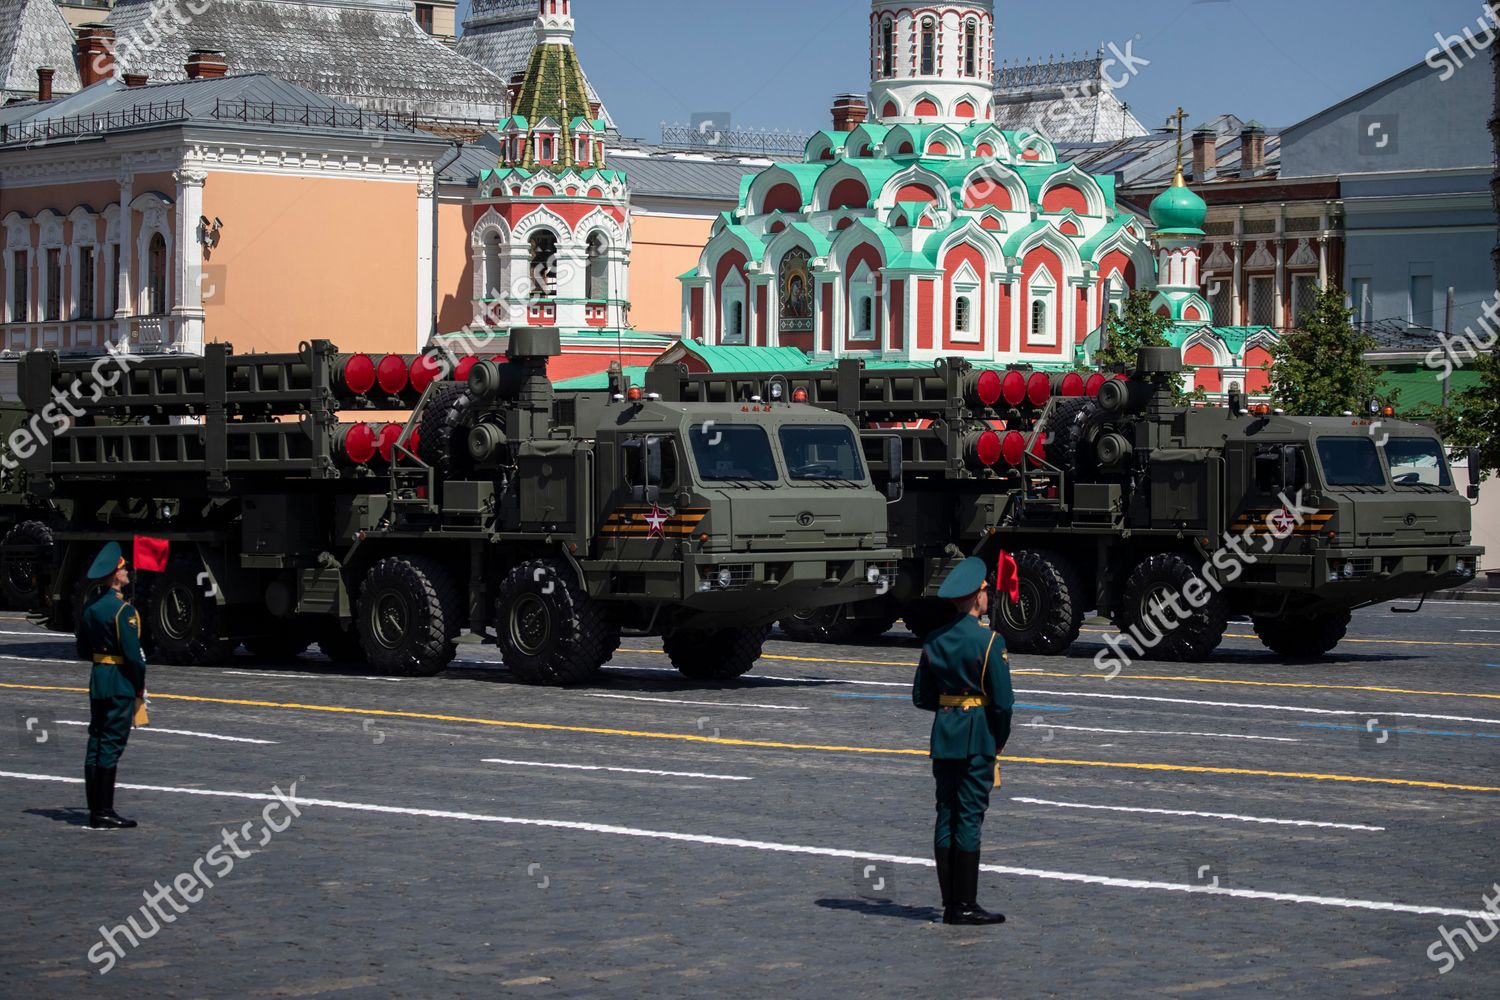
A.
pixel 1322 261
pixel 1235 316
pixel 125 283
pixel 426 293
pixel 187 310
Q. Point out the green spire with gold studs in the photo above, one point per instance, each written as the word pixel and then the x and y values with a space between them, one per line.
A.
pixel 554 88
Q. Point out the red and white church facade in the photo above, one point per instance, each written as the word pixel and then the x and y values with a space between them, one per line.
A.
pixel 925 232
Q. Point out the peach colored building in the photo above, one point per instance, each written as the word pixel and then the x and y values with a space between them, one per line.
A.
pixel 236 209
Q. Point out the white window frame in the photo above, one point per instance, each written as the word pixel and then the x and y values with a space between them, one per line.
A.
pixel 1041 289
pixel 862 290
pixel 733 300
pixel 85 234
pixel 965 284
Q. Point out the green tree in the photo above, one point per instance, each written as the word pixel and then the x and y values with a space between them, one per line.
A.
pixel 1137 326
pixel 1472 417
pixel 1320 369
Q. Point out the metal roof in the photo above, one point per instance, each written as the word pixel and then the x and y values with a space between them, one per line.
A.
pixel 369 53
pixel 1067 100
pixel 33 35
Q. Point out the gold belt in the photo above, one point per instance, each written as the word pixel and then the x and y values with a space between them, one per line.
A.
pixel 117 661
pixel 962 701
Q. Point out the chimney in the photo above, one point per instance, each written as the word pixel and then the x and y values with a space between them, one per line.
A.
pixel 95 49
pixel 1205 153
pixel 1253 150
pixel 849 112
pixel 136 79
pixel 206 64
pixel 44 75
pixel 517 82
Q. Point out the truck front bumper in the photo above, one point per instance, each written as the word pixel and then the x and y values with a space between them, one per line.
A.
pixel 1352 577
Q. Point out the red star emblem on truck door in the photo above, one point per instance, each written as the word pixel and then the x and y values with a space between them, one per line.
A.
pixel 656 521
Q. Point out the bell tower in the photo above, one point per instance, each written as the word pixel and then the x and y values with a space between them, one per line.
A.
pixel 932 63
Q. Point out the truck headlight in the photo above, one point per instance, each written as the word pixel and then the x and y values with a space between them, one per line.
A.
pixel 704 586
pixel 726 578
pixel 873 575
pixel 1335 571
pixel 1463 567
pixel 1349 570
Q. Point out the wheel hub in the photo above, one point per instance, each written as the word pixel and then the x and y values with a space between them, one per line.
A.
pixel 391 620
pixel 1021 614
pixel 530 624
pixel 176 615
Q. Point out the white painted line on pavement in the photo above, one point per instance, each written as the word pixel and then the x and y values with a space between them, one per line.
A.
pixel 53 636
pixel 1361 713
pixel 306 677
pixel 710 704
pixel 620 770
pixel 1205 815
pixel 148 730
pixel 1158 732
pixel 1303 899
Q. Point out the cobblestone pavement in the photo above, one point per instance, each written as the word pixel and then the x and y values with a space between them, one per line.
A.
pixel 1234 828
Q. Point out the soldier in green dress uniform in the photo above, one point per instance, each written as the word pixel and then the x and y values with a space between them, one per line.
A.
pixel 964 677
pixel 109 634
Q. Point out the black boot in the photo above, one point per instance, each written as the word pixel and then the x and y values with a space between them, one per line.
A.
pixel 91 790
pixel 966 909
pixel 107 818
pixel 944 858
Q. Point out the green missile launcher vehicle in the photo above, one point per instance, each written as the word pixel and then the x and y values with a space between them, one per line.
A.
pixel 549 525
pixel 1112 499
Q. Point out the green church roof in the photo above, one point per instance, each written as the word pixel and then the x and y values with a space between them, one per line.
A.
pixel 1178 211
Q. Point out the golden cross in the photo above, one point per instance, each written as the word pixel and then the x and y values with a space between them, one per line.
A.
pixel 1180 118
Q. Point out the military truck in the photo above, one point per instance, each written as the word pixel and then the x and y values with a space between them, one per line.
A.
pixel 26 523
pixel 549 526
pixel 1112 499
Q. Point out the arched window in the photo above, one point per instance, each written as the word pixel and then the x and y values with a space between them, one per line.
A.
pixel 543 264
pixel 888 47
pixel 156 276
pixel 598 279
pixel 929 46
pixel 971 48
pixel 963 315
pixel 734 322
pixel 494 273
pixel 1039 320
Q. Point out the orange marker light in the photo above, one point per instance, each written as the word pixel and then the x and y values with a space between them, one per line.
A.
pixel 799 396
pixel 634 395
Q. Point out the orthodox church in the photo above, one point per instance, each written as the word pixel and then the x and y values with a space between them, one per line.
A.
pixel 926 232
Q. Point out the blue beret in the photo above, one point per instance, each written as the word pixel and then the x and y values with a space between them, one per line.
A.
pixel 109 559
pixel 967 578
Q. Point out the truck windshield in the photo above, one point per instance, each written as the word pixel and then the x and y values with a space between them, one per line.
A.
pixel 821 453
pixel 725 453
pixel 1417 462
pixel 1350 461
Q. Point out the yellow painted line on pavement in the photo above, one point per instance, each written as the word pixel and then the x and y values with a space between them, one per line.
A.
pixel 769 745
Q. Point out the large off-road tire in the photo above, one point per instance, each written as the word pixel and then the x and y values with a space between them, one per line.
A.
pixel 181 622
pixel 1068 431
pixel 718 654
pixel 825 625
pixel 445 431
pixel 1195 636
pixel 1303 638
pixel 549 630
pixel 23 577
pixel 922 617
pixel 1049 615
pixel 410 611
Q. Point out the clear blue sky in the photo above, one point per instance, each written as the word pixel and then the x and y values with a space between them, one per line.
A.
pixel 777 63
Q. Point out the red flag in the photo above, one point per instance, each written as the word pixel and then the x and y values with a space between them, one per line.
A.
pixel 150 554
pixel 1008 578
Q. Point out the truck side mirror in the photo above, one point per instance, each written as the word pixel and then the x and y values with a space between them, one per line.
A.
pixel 1289 466
pixel 895 487
pixel 1475 474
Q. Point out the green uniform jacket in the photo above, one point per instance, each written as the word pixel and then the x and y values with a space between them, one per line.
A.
pixel 111 627
pixel 953 658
